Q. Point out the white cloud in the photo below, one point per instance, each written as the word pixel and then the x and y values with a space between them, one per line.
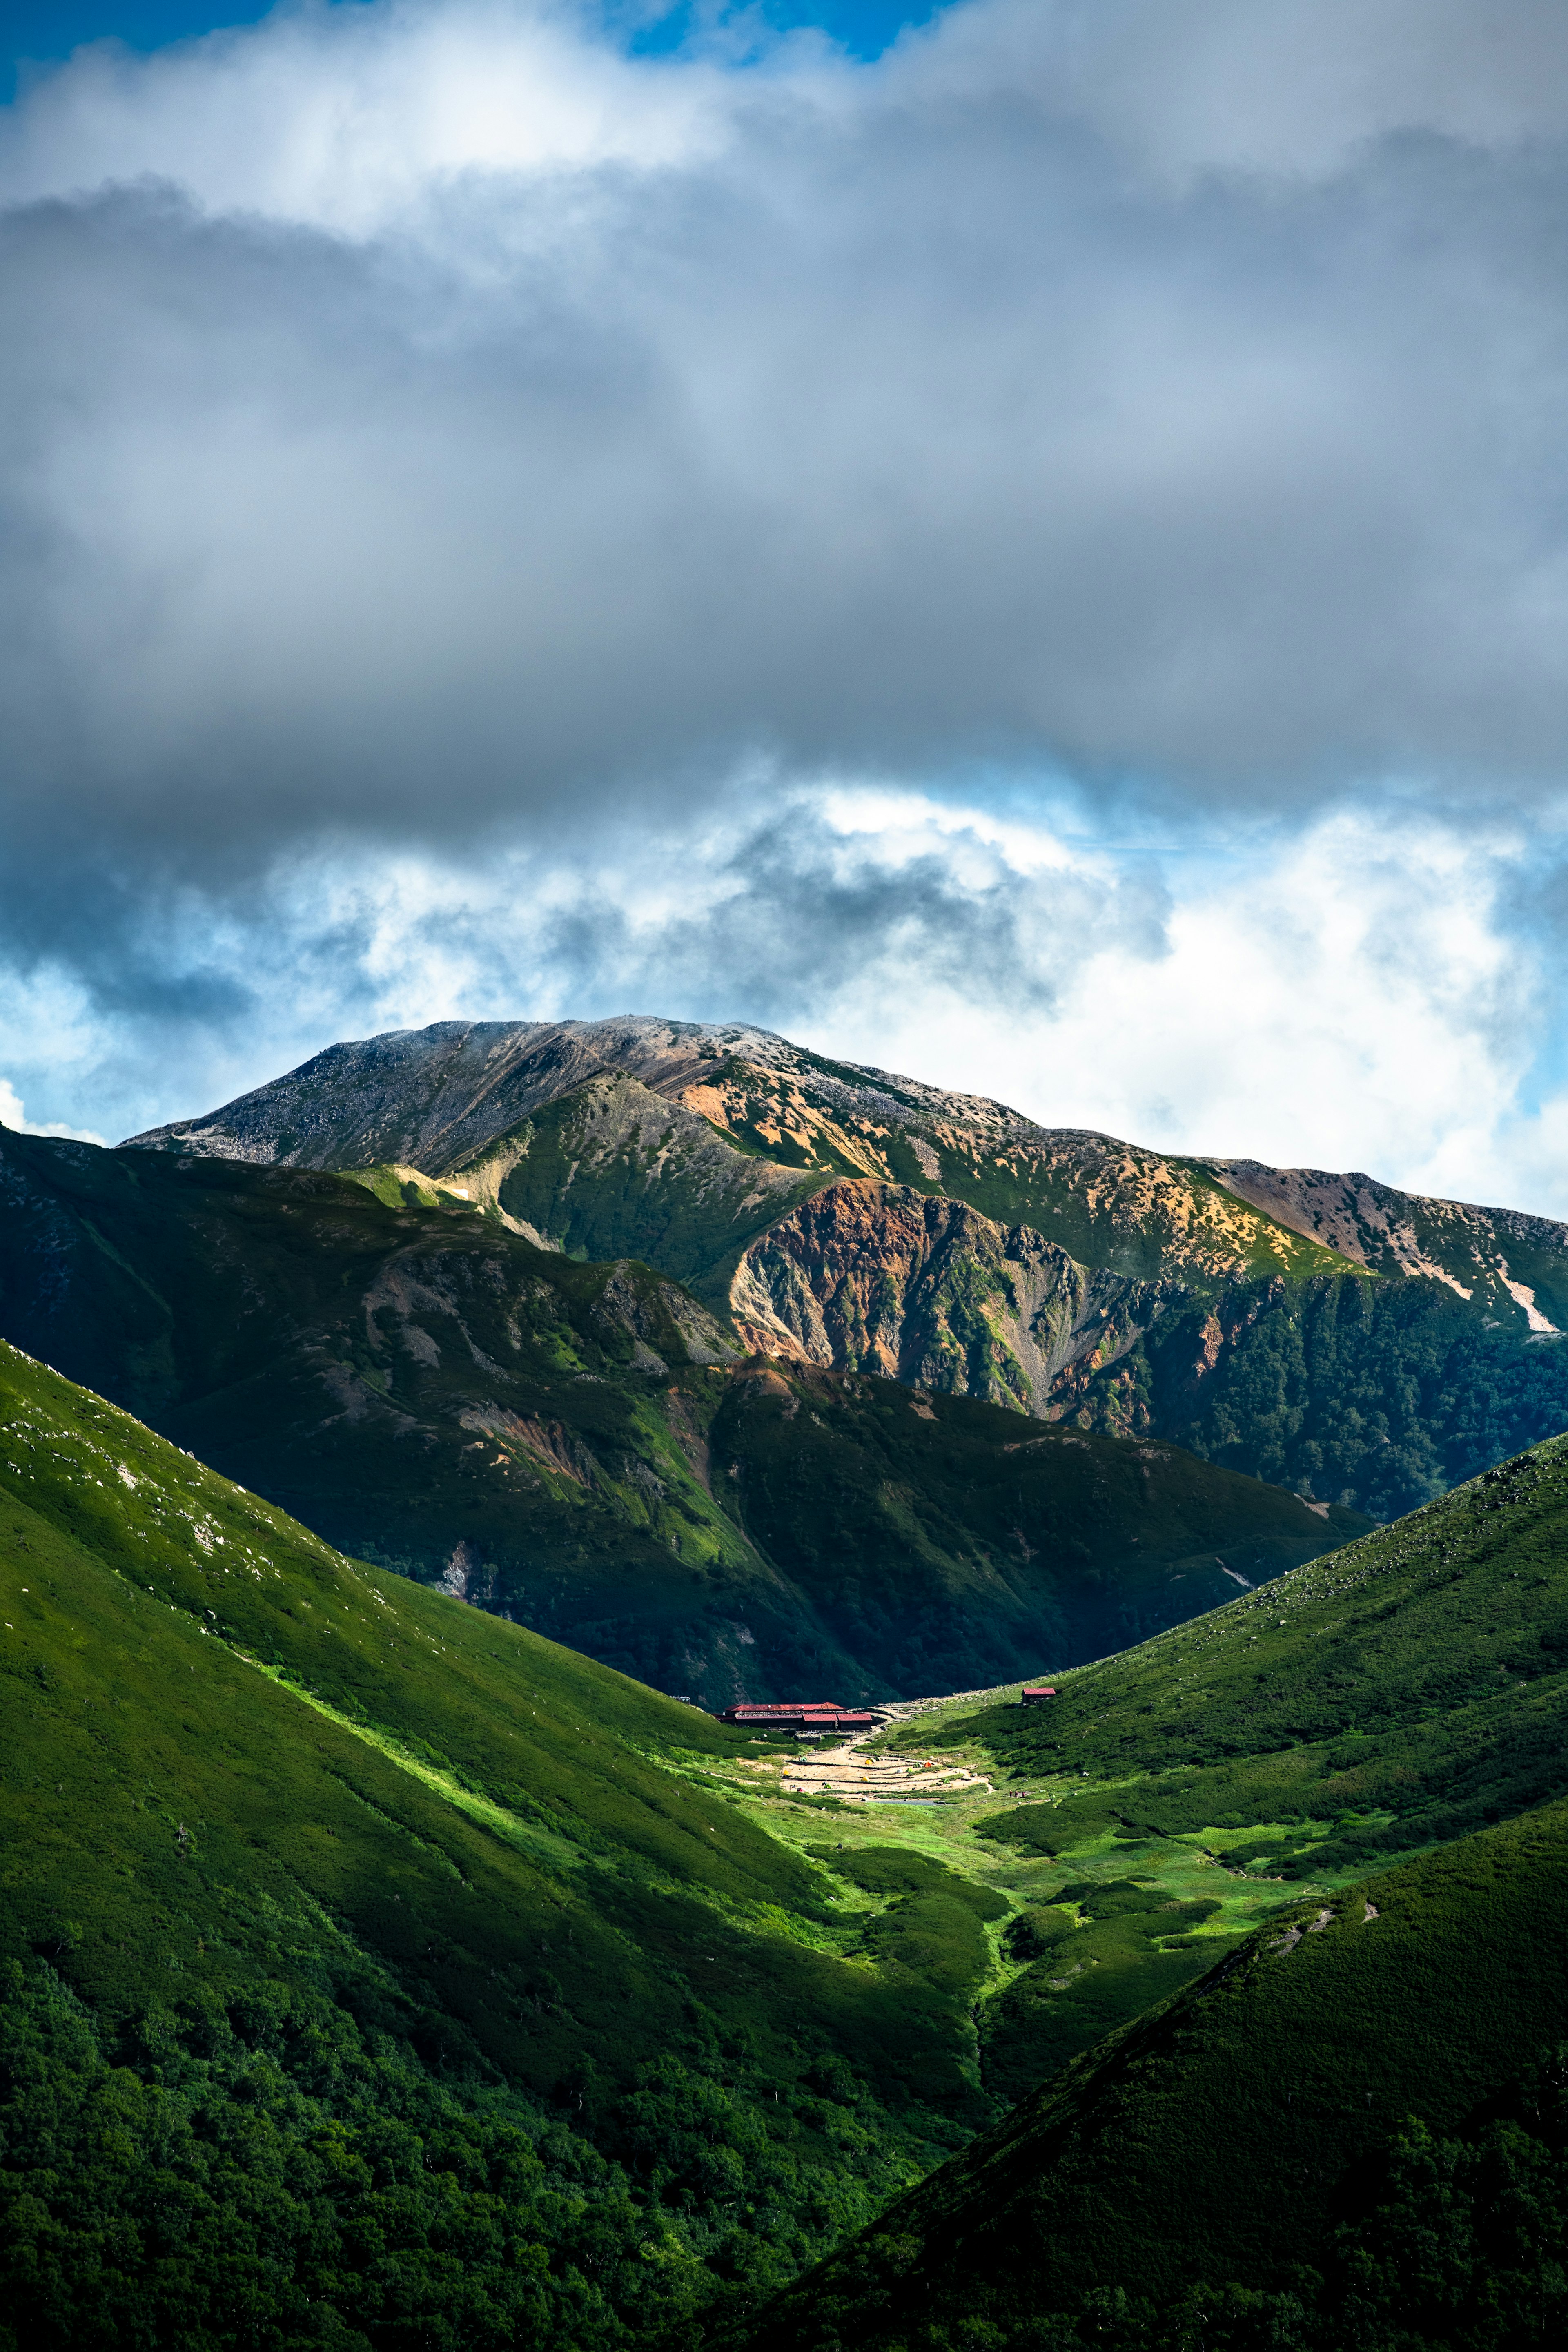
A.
pixel 499 526
pixel 1352 995
pixel 349 118
pixel 13 1116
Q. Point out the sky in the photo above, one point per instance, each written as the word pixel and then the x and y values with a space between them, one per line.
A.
pixel 1026 544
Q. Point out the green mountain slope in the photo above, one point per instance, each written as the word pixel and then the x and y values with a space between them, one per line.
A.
pixel 1215 2143
pixel 425 1387
pixel 1388 1699
pixel 1421 1676
pixel 950 1538
pixel 372 1971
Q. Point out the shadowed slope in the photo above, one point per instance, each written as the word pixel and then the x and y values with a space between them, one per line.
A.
pixel 425 1387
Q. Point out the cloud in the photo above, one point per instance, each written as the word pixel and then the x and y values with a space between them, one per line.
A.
pixel 436 443
pixel 1358 994
pixel 13 1116
pixel 424 417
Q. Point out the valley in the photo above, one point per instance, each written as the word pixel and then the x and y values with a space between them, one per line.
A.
pixel 400 1468
pixel 539 1900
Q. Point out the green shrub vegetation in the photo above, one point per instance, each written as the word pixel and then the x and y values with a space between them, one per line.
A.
pixel 1410 1687
pixel 380 1973
pixel 1317 2137
pixel 934 1926
pixel 1104 1951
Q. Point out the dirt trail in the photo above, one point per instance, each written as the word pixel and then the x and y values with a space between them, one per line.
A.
pixel 842 1770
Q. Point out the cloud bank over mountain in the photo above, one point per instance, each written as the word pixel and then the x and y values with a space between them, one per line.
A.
pixel 442 444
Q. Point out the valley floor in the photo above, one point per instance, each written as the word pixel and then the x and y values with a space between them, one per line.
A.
pixel 877 1793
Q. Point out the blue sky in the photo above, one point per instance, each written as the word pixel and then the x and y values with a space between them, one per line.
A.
pixel 43 32
pixel 1033 552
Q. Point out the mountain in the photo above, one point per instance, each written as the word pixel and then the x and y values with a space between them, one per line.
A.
pixel 582 1449
pixel 1360 1345
pixel 374 1972
pixel 1404 1697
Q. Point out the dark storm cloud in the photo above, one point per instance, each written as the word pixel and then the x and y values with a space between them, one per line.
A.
pixel 1173 395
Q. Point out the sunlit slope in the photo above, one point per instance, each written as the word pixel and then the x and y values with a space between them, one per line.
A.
pixel 1214 2140
pixel 1421 1673
pixel 614 1168
pixel 242 1772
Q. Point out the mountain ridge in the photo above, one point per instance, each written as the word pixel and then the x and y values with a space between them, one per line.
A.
pixel 462 1076
pixel 1225 1318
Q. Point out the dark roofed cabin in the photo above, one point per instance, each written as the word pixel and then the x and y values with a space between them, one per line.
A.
pixel 797 1715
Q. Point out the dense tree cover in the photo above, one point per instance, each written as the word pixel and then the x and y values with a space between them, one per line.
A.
pixel 285 2168
pixel 1377 1395
pixel 1457 2241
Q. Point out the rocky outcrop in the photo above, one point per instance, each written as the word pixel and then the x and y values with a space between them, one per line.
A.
pixel 428 1098
pixel 881 1278
pixel 1498 1258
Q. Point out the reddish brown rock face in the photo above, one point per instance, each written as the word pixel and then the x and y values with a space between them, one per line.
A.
pixel 878 1278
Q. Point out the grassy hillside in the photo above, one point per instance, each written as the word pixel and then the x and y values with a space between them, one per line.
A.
pixel 1404 1691
pixel 424 1387
pixel 1182 2184
pixel 376 1967
pixel 1410 1687
pixel 381 1974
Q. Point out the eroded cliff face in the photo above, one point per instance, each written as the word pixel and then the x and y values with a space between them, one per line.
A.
pixel 922 1289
